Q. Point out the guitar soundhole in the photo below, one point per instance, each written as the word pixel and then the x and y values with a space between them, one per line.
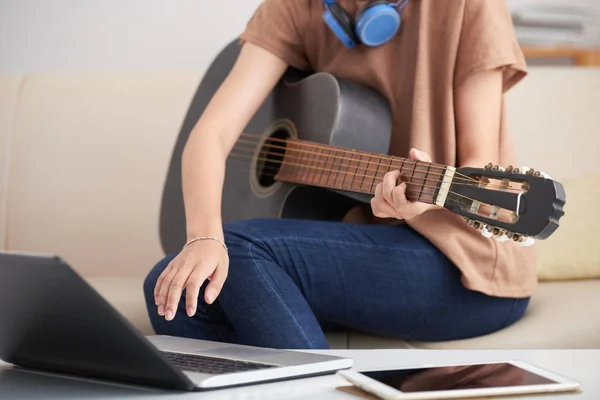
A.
pixel 270 157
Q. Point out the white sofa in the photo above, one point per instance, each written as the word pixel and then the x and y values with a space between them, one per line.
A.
pixel 84 156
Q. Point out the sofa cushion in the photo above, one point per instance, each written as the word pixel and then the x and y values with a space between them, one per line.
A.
pixel 89 160
pixel 10 85
pixel 561 315
pixel 573 251
pixel 127 297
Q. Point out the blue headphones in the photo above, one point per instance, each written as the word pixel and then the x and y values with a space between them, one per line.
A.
pixel 375 23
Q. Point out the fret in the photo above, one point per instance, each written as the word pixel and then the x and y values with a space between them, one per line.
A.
pixel 313 166
pixel 365 171
pixel 288 166
pixel 439 183
pixel 355 173
pixel 419 173
pixel 391 166
pixel 347 174
pixel 376 171
pixel 436 178
pixel 384 170
pixel 336 167
pixel 409 187
pixel 395 166
pixel 320 170
pixel 310 160
pixel 301 158
pixel 424 182
pixel 344 168
pixel 328 167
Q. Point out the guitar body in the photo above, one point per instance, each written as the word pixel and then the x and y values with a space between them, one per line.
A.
pixel 319 108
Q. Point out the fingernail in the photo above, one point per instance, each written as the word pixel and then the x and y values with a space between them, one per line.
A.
pixel 212 295
pixel 190 311
pixel 161 310
pixel 417 152
pixel 169 315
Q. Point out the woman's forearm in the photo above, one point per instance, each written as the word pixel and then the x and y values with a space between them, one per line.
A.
pixel 203 172
pixel 251 79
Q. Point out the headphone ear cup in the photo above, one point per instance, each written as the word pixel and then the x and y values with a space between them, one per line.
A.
pixel 361 11
pixel 377 23
pixel 340 22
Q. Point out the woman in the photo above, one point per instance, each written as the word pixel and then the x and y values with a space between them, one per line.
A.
pixel 427 277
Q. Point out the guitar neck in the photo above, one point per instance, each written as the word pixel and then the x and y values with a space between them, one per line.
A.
pixel 355 171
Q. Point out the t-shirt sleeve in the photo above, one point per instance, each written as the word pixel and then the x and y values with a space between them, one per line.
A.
pixel 488 41
pixel 276 26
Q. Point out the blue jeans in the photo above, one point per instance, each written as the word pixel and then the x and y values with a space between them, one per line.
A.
pixel 289 280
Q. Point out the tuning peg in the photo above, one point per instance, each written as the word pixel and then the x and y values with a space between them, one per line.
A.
pixel 526 170
pixel 526 241
pixel 486 233
pixel 502 238
pixel 500 235
pixel 540 173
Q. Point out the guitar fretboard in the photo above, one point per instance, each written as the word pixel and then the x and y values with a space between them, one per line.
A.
pixel 355 171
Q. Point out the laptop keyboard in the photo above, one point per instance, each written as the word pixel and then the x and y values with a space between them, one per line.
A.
pixel 212 365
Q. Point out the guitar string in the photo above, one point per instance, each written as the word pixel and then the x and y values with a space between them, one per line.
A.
pixel 365 176
pixel 455 180
pixel 284 162
pixel 409 189
pixel 328 156
pixel 407 162
pixel 322 146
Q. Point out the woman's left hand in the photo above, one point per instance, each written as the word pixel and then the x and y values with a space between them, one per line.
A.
pixel 390 197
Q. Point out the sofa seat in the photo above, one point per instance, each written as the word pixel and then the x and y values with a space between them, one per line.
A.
pixel 561 315
pixel 555 305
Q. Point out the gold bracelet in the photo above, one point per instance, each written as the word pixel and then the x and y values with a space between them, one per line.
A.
pixel 207 238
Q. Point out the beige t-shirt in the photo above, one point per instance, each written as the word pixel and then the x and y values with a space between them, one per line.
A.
pixel 440 43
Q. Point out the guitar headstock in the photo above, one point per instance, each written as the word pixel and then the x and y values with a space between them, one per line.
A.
pixel 518 204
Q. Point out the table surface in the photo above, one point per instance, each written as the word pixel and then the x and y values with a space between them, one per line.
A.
pixel 580 365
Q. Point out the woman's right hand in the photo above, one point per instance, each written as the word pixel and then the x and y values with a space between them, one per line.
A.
pixel 197 262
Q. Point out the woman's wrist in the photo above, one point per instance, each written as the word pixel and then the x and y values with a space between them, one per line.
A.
pixel 212 238
pixel 213 229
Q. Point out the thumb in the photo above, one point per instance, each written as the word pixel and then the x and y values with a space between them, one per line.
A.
pixel 419 155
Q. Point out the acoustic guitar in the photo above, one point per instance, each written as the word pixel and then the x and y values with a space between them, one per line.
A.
pixel 319 146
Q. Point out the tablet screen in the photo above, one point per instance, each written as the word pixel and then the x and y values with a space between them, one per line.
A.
pixel 478 376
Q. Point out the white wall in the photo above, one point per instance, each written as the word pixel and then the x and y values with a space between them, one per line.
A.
pixel 69 35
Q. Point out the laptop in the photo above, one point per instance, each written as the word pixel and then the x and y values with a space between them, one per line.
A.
pixel 53 320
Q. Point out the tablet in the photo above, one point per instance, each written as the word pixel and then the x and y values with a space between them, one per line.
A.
pixel 497 378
